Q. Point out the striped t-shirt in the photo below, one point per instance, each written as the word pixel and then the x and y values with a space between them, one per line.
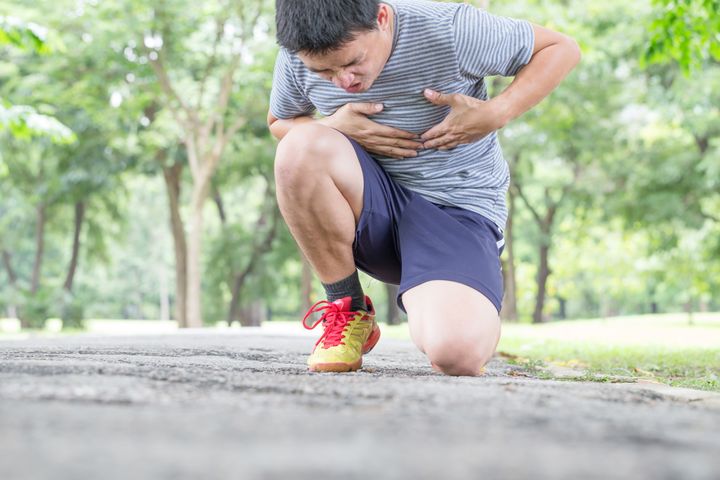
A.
pixel 447 47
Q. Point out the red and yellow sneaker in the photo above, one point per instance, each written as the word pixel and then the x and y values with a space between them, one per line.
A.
pixel 347 336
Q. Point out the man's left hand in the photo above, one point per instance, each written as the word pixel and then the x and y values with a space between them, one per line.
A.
pixel 469 120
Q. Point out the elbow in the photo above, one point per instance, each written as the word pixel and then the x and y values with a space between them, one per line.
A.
pixel 272 126
pixel 574 53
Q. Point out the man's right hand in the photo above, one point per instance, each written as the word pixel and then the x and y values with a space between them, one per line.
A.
pixel 352 120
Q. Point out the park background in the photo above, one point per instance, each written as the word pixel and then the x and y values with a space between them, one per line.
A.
pixel 136 180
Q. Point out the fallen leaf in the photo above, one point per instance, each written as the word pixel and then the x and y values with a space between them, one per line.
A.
pixel 644 372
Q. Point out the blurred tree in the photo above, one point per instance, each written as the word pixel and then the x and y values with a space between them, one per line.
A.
pixel 81 177
pixel 21 120
pixel 197 54
pixel 685 31
pixel 557 150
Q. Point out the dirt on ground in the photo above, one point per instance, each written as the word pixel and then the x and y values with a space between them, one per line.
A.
pixel 243 405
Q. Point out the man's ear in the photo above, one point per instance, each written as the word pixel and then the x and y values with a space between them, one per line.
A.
pixel 383 17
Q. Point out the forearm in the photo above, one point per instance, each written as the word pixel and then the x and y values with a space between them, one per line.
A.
pixel 279 128
pixel 538 78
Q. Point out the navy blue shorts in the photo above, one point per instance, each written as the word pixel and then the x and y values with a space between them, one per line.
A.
pixel 406 240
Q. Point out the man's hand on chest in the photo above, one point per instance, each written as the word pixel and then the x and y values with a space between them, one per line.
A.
pixel 469 120
pixel 352 120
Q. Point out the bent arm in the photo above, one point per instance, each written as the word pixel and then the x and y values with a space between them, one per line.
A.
pixel 279 128
pixel 554 56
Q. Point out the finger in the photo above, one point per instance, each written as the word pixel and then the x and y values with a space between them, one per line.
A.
pixel 441 142
pixel 394 152
pixel 448 146
pixel 438 98
pixel 377 129
pixel 437 131
pixel 390 132
pixel 397 142
pixel 366 108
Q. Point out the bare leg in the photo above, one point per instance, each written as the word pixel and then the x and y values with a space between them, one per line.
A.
pixel 320 194
pixel 456 326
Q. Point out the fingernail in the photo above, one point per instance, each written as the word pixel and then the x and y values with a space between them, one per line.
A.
pixel 378 107
pixel 429 92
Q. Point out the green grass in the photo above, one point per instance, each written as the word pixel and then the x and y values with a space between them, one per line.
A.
pixel 681 367
pixel 660 348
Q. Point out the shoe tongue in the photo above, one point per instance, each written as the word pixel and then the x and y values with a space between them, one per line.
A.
pixel 343 304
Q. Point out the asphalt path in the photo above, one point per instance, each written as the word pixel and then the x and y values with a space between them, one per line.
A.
pixel 243 406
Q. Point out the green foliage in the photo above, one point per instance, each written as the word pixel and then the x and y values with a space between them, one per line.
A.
pixel 685 31
pixel 35 308
pixel 72 312
pixel 632 152
pixel 25 123
pixel 29 36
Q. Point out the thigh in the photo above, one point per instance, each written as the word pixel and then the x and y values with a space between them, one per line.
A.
pixel 376 247
pixel 310 153
pixel 442 313
pixel 439 244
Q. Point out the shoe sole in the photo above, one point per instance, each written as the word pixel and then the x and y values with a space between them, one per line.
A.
pixel 339 367
pixel 336 367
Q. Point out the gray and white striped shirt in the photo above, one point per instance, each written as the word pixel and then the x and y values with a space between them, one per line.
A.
pixel 447 47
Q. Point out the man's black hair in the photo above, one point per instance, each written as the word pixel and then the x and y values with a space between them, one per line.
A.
pixel 317 27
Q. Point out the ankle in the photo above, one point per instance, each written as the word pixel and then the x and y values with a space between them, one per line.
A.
pixel 347 287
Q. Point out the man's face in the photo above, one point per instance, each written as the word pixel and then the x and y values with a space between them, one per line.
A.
pixel 356 65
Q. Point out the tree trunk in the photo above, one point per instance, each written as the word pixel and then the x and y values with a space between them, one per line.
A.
pixel 217 198
pixel 259 250
pixel 39 248
pixel 545 224
pixel 689 309
pixel 306 284
pixel 234 312
pixel 704 306
pixel 164 293
pixel 542 276
pixel 173 176
pixel 12 279
pixel 254 314
pixel 194 267
pixel 563 308
pixel 392 312
pixel 205 132
pixel 7 262
pixel 235 280
pixel 79 218
pixel 509 309
pixel 159 238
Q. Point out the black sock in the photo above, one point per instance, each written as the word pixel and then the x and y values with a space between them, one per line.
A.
pixel 347 287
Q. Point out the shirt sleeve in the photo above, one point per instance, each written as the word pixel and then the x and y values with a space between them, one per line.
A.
pixel 488 45
pixel 287 100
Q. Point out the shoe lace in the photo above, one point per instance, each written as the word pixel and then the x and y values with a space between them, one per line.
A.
pixel 334 322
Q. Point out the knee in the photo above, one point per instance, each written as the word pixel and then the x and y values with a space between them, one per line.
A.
pixel 302 151
pixel 460 356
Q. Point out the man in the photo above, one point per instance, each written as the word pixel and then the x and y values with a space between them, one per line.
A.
pixel 403 176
